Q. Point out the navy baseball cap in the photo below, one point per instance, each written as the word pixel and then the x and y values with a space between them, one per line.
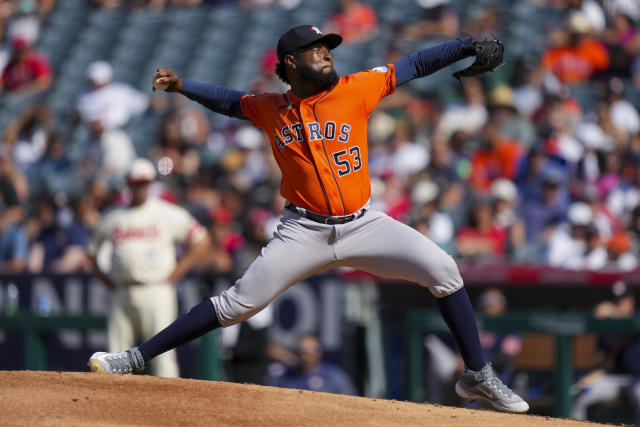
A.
pixel 304 35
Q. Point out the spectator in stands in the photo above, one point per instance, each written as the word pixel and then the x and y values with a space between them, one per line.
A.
pixel 25 24
pixel 575 55
pixel 6 9
pixel 28 72
pixel 605 222
pixel 110 103
pixel 85 219
pixel 518 248
pixel 56 170
pixel 556 126
pixel 634 229
pixel 406 157
pixel 483 21
pixel 469 115
pixel 528 93
pixel 500 349
pixel 596 143
pixel 624 115
pixel 253 148
pixel 312 373
pixel 544 202
pixel 10 200
pixel 635 72
pixel 356 22
pixel 623 42
pixel 619 255
pixel 497 157
pixel 596 252
pixel 616 371
pixel 593 13
pixel 504 114
pixel 623 200
pixel 438 19
pixel 449 170
pixel 630 8
pixel 480 238
pixel 504 195
pixel 13 245
pixel 567 243
pixel 27 138
pixel 227 242
pixel 109 153
pixel 428 218
pixel 51 239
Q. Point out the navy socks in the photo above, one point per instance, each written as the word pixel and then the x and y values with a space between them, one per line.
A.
pixel 194 323
pixel 457 312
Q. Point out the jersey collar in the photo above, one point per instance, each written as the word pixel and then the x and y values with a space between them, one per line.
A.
pixel 294 99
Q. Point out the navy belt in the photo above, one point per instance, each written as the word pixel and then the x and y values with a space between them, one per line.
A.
pixel 323 219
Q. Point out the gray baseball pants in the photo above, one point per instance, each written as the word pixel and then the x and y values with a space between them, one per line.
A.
pixel 300 248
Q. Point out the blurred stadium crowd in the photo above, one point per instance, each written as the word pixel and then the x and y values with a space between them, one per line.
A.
pixel 536 162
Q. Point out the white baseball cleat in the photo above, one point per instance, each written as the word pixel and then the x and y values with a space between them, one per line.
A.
pixel 124 362
pixel 485 385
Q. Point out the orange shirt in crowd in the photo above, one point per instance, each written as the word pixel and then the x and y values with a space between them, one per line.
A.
pixel 355 24
pixel 499 162
pixel 576 64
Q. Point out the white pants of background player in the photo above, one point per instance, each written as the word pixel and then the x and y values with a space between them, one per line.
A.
pixel 603 388
pixel 300 248
pixel 138 312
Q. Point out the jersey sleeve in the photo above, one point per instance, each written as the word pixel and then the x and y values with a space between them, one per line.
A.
pixel 251 106
pixel 184 227
pixel 375 84
pixel 99 236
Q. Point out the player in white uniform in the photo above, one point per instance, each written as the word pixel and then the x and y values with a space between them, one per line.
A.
pixel 144 268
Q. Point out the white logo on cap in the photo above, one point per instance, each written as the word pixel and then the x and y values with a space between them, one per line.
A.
pixel 316 30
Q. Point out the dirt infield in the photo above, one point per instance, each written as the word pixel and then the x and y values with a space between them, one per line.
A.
pixel 30 398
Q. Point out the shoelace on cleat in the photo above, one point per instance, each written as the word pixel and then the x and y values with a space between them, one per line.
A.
pixel 494 383
pixel 120 362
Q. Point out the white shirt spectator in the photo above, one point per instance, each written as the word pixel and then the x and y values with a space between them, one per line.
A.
pixel 594 14
pixel 112 154
pixel 441 229
pixel 564 250
pixel 111 103
pixel 596 259
pixel 26 27
pixel 28 151
pixel 408 158
pixel 624 116
pixel 469 118
pixel 622 200
pixel 626 262
pixel 630 8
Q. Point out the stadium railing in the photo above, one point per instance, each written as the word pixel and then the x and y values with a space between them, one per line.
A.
pixel 563 325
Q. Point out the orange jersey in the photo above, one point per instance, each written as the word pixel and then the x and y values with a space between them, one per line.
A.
pixel 320 142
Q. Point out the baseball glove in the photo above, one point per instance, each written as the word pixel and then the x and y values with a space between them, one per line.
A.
pixel 489 54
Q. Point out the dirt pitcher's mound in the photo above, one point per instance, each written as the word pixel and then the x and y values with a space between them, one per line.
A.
pixel 84 399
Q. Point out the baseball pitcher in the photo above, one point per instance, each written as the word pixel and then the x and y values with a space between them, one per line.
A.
pixel 318 135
